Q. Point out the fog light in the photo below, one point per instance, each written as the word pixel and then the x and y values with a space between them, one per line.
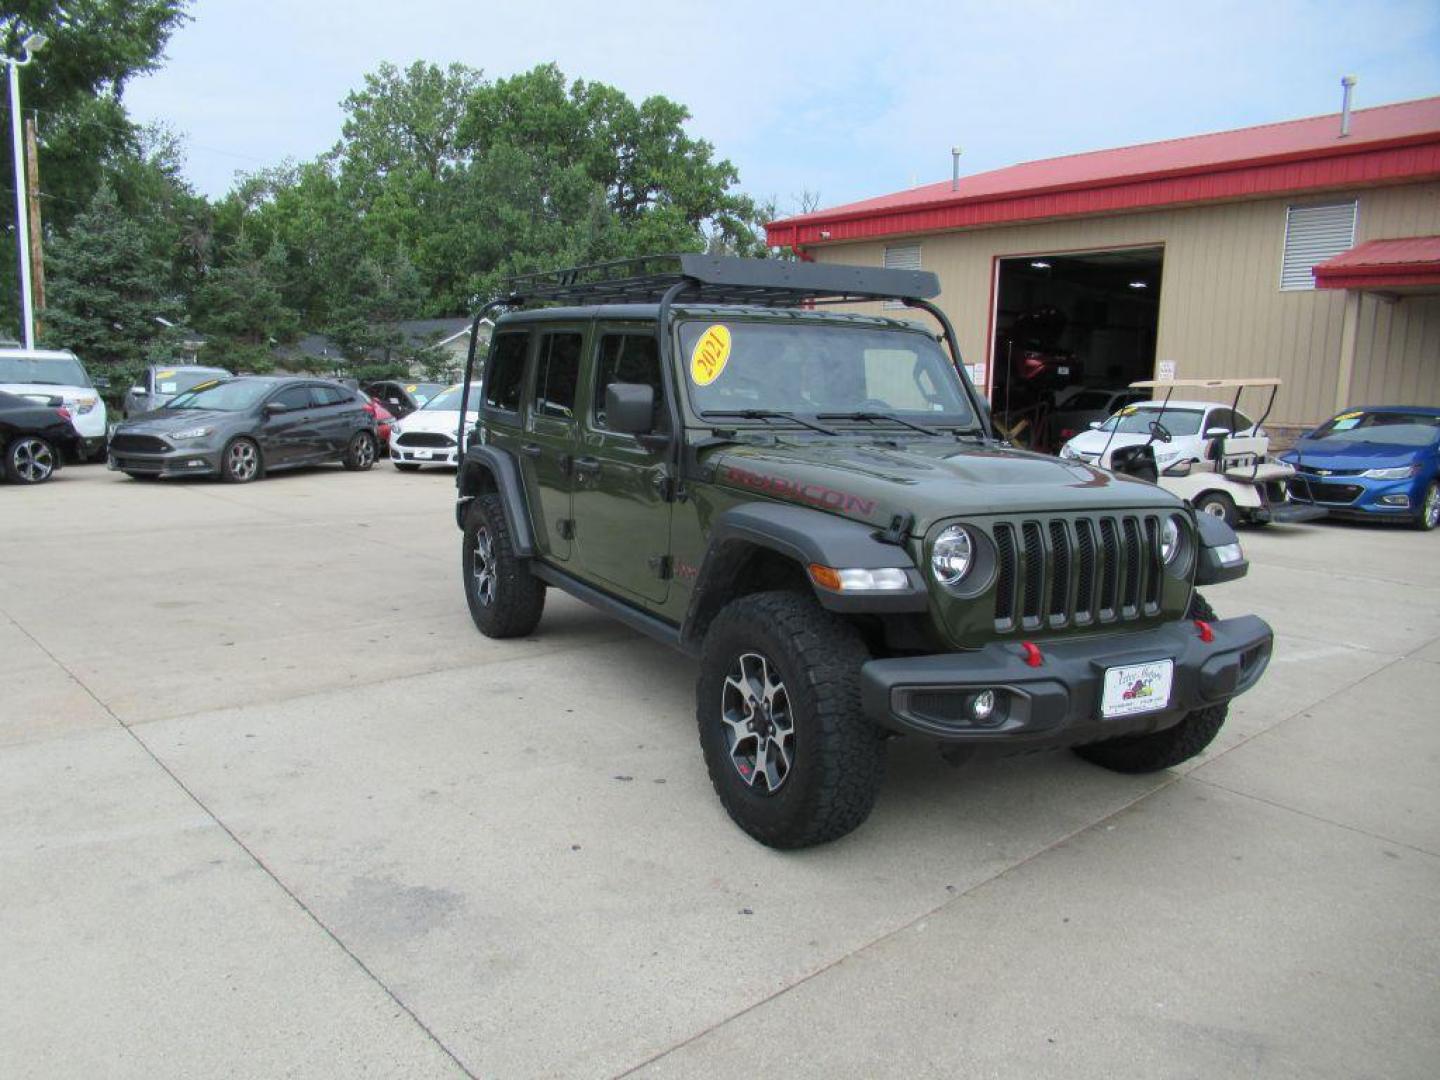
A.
pixel 982 705
pixel 1395 500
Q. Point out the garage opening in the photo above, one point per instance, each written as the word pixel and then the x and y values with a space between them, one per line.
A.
pixel 1072 332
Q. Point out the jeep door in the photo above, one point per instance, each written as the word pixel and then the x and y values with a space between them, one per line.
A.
pixel 622 520
pixel 547 448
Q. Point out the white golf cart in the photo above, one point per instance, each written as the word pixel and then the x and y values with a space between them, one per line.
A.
pixel 1232 476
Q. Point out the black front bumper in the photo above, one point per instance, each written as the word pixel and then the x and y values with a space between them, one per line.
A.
pixel 175 463
pixel 1058 702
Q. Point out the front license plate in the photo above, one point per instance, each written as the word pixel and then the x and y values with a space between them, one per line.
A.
pixel 1137 688
pixel 427 454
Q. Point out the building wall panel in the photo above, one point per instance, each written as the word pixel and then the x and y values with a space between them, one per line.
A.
pixel 1222 313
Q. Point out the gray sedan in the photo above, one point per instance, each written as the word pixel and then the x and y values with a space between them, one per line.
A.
pixel 238 429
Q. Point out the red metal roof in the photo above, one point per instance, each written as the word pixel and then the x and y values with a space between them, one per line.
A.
pixel 1388 144
pixel 1380 264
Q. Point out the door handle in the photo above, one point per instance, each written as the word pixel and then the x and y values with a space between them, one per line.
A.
pixel 530 450
pixel 587 466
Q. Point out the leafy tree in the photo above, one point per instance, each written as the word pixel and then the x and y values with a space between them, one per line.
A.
pixel 241 311
pixel 108 290
pixel 76 86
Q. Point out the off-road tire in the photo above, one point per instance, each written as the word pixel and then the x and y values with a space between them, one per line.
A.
pixel 1428 518
pixel 404 467
pixel 232 469
pixel 838 756
pixel 360 454
pixel 1218 504
pixel 516 598
pixel 1168 748
pixel 29 459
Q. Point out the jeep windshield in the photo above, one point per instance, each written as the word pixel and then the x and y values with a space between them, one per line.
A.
pixel 234 395
pixel 44 370
pixel 807 368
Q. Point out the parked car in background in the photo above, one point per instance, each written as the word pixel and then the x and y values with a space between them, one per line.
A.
pixel 1376 462
pixel 1079 410
pixel 58 373
pixel 402 398
pixel 36 437
pixel 1185 421
pixel 159 383
pixel 384 419
pixel 428 435
pixel 238 429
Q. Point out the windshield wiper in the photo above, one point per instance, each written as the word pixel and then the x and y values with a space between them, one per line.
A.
pixel 771 414
pixel 879 417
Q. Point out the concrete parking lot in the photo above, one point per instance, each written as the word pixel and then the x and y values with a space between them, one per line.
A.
pixel 269 806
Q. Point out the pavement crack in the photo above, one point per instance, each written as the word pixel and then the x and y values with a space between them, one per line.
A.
pixel 250 853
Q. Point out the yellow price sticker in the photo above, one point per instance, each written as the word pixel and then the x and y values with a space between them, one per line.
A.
pixel 165 374
pixel 1349 416
pixel 411 388
pixel 1127 410
pixel 710 355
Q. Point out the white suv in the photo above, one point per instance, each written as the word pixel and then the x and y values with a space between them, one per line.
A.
pixel 34 373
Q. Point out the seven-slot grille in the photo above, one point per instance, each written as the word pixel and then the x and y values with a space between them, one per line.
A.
pixel 1061 572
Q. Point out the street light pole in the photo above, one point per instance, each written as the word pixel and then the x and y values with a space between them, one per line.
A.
pixel 32 44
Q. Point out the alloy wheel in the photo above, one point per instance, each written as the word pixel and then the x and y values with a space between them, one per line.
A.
pixel 34 460
pixel 759 729
pixel 482 566
pixel 243 461
pixel 365 452
pixel 1431 511
pixel 1214 509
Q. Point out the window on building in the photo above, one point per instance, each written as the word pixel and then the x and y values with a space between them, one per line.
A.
pixel 901 257
pixel 1312 235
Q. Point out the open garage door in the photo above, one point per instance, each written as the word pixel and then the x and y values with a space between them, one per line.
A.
pixel 1072 332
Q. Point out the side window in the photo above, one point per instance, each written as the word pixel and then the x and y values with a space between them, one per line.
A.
pixel 627 358
pixel 507 371
pixel 557 370
pixel 327 395
pixel 1242 422
pixel 294 397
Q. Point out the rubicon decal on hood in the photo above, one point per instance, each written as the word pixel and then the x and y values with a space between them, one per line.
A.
pixel 814 494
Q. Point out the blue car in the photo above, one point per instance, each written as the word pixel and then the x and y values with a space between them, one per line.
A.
pixel 1374 462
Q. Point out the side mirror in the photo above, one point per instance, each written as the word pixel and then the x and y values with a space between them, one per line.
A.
pixel 273 408
pixel 629 408
pixel 1217 432
pixel 1095 425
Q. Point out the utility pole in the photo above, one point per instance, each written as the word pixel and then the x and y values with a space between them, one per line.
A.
pixel 32 192
pixel 30 46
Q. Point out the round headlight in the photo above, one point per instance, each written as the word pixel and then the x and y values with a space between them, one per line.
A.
pixel 952 556
pixel 1169 540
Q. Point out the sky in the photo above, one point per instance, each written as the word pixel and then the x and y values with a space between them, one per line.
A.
pixel 842 100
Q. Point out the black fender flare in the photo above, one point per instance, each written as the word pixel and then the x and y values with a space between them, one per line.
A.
pixel 488 468
pixel 1213 538
pixel 804 536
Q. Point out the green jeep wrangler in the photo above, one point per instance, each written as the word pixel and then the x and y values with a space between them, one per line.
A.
pixel 813 503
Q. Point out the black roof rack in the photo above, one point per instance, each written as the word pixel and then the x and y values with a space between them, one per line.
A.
pixel 719 279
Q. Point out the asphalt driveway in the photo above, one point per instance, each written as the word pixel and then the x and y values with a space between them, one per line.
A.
pixel 269 806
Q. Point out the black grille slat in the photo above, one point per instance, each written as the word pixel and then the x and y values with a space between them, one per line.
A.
pixel 1004 576
pixel 1134 565
pixel 1060 599
pixel 1034 573
pixel 424 438
pixel 1109 568
pixel 125 442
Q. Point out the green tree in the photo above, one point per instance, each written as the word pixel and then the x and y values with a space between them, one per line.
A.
pixel 109 291
pixel 76 86
pixel 241 311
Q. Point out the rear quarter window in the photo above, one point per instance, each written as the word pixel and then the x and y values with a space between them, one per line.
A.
pixel 506 372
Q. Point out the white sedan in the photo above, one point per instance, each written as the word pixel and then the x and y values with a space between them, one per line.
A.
pixel 1186 422
pixel 428 436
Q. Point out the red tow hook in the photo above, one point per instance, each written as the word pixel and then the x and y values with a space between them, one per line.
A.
pixel 1207 632
pixel 1033 655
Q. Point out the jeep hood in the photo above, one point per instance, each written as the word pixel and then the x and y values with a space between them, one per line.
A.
pixel 934 480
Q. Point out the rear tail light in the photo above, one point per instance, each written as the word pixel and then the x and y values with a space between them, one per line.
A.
pixel 64 412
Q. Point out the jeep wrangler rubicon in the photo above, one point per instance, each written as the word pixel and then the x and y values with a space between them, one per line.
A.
pixel 813 503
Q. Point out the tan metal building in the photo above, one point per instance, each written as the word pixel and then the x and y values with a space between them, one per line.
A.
pixel 1192 258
